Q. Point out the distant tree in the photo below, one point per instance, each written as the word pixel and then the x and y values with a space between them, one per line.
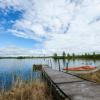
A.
pixel 85 54
pixel 55 55
pixel 94 54
pixel 64 54
pixel 20 57
pixel 73 55
pixel 68 56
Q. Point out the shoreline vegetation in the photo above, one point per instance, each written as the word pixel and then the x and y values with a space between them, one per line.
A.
pixel 63 56
pixel 74 56
pixel 24 57
pixel 93 76
pixel 35 90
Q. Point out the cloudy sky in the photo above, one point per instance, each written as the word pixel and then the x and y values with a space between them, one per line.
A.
pixel 29 27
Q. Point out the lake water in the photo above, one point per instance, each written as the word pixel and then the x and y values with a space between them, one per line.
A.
pixel 12 68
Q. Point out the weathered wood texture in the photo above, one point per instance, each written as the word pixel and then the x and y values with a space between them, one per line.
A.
pixel 37 67
pixel 74 87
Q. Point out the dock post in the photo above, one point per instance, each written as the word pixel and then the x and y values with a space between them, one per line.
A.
pixel 51 63
pixel 48 63
pixel 59 65
pixel 67 67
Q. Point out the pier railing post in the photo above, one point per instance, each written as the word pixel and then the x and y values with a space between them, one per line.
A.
pixel 59 65
pixel 51 63
pixel 67 67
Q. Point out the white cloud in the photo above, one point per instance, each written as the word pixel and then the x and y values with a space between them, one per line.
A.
pixel 13 50
pixel 25 34
pixel 66 24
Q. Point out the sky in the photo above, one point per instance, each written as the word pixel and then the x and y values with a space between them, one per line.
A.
pixel 36 27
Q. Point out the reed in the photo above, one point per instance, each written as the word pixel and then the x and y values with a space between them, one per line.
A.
pixel 35 90
pixel 93 76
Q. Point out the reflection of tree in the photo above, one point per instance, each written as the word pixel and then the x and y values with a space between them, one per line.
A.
pixel 73 60
pixel 64 62
pixel 94 60
pixel 86 62
pixel 55 60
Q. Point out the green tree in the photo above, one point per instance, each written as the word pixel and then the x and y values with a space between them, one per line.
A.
pixel 94 54
pixel 64 54
pixel 55 55
pixel 68 56
pixel 73 55
pixel 86 55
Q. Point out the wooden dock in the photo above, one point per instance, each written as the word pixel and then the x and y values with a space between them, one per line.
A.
pixel 70 87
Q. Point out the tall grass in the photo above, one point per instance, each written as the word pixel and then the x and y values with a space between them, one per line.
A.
pixel 93 76
pixel 35 90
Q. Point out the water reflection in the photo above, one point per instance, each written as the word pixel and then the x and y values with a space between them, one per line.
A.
pixel 74 63
pixel 11 69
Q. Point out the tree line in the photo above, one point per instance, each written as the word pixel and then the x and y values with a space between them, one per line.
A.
pixel 74 56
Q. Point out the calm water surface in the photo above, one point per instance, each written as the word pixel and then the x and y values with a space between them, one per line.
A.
pixel 10 69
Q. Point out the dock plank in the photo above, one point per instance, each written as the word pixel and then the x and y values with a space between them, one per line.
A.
pixel 60 77
pixel 74 87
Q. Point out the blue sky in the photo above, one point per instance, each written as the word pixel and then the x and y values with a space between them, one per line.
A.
pixel 8 19
pixel 8 39
pixel 37 26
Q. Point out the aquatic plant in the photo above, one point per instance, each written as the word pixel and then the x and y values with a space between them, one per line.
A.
pixel 35 90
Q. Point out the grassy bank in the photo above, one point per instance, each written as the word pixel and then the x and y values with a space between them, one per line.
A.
pixel 36 90
pixel 93 76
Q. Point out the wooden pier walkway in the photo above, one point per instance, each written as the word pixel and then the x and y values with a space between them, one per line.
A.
pixel 72 87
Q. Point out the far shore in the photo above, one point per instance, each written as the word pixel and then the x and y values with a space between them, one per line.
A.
pixel 96 57
pixel 23 57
